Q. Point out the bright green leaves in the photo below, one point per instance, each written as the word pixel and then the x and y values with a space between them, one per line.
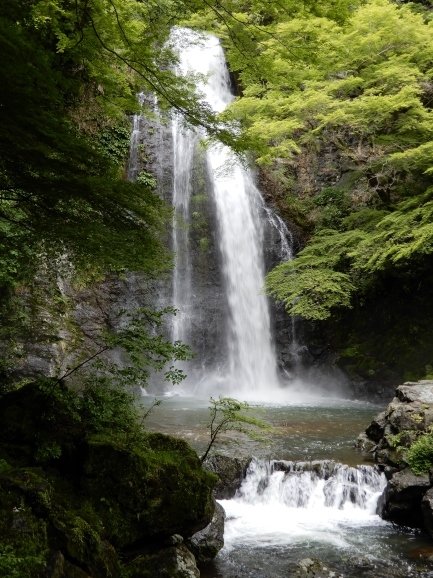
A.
pixel 364 74
pixel 309 292
pixel 402 237
pixel 316 281
pixel 336 264
pixel 230 415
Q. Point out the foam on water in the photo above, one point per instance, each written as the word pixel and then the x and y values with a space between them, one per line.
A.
pixel 287 502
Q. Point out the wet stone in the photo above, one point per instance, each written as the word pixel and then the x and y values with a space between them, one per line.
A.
pixel 206 544
pixel 231 473
pixel 364 443
pixel 359 561
pixel 312 568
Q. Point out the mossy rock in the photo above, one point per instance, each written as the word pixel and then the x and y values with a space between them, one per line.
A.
pixel 173 562
pixel 37 420
pixel 152 492
pixel 50 540
pixel 23 531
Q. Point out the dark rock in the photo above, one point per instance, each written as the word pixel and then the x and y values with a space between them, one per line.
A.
pixel 172 562
pixel 231 473
pixel 389 471
pixel 138 495
pixel 427 511
pixel 359 561
pixel 35 415
pixel 406 417
pixel 206 544
pixel 174 540
pixel 311 568
pixel 401 500
pixel 72 571
pixel 365 444
pixel 323 468
pixel 389 457
pixel 376 428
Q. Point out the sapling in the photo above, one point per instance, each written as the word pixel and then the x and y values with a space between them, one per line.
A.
pixel 228 414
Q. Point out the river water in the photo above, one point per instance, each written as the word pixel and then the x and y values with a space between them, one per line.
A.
pixel 297 508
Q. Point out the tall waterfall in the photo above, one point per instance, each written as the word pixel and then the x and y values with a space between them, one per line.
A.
pixel 250 367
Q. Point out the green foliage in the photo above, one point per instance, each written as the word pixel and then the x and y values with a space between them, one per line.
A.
pixel 228 414
pixel 329 196
pixel 309 292
pixel 315 282
pixel 420 454
pixel 146 179
pixel 14 566
pixel 354 80
pixel 114 142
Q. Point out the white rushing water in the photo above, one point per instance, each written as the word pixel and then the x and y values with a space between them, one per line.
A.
pixel 250 370
pixel 184 144
pixel 134 151
pixel 288 502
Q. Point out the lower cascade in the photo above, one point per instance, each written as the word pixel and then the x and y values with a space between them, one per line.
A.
pixel 291 504
pixel 312 485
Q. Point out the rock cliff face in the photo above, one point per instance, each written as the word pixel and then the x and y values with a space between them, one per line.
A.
pixel 408 497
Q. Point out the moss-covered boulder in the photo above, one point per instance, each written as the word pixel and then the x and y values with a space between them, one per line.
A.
pixel 74 504
pixel 46 538
pixel 151 492
pixel 38 420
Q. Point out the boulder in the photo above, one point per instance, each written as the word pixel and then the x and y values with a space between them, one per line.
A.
pixel 401 500
pixel 38 420
pixel 420 391
pixel 39 521
pixel 376 428
pixel 359 561
pixel 365 444
pixel 154 493
pixel 406 417
pixel 171 562
pixel 312 568
pixel 206 544
pixel 427 511
pixel 231 473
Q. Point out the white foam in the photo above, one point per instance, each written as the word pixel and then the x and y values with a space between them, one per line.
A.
pixel 302 503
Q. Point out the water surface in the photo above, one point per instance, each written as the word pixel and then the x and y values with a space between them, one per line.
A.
pixel 277 521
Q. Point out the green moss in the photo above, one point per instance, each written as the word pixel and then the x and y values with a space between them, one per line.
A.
pixel 154 491
pixel 204 245
pixel 76 513
pixel 23 532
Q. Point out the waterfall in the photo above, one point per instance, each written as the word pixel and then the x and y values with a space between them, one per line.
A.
pixel 315 503
pixel 134 148
pixel 250 365
pixel 312 485
pixel 184 144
